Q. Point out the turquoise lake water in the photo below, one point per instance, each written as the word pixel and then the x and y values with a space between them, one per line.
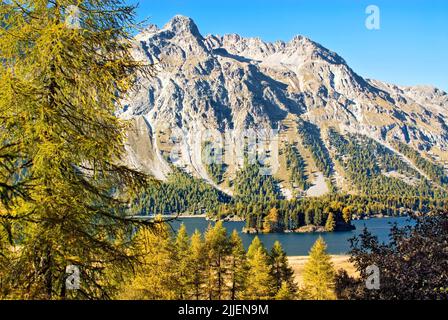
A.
pixel 298 244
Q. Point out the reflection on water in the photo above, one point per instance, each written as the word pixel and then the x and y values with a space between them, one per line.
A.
pixel 298 244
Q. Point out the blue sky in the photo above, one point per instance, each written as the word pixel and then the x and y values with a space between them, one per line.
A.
pixel 410 48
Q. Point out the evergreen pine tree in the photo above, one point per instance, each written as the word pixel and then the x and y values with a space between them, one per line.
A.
pixel 317 217
pixel 309 216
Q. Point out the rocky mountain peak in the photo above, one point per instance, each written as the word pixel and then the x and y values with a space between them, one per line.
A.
pixel 182 25
pixel 306 47
pixel 232 82
pixel 151 28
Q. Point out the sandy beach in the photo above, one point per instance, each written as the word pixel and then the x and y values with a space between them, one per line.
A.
pixel 339 261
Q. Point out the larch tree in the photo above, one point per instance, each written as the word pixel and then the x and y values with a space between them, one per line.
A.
pixel 281 271
pixel 217 246
pixel 198 268
pixel 330 225
pixel 319 274
pixel 238 267
pixel 154 278
pixel 271 221
pixel 285 292
pixel 254 246
pixel 65 67
pixel 260 283
pixel 347 214
pixel 182 262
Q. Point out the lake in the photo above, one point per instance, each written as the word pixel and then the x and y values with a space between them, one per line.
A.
pixel 298 244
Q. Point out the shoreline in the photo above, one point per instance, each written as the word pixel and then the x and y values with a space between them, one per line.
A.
pixel 238 219
pixel 164 216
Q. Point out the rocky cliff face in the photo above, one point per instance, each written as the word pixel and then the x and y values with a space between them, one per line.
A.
pixel 229 84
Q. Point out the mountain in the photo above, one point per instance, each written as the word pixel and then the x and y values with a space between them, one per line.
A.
pixel 337 130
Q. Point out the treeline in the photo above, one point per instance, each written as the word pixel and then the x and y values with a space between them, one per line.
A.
pixel 297 167
pixel 435 172
pixel 312 140
pixel 284 215
pixel 182 193
pixel 216 266
pixel 390 205
pixel 257 195
pixel 213 266
pixel 297 213
pixel 365 161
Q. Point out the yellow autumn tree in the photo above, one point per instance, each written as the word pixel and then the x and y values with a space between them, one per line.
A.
pixel 260 282
pixel 155 277
pixel 285 292
pixel 198 257
pixel 217 248
pixel 271 221
pixel 330 225
pixel 64 190
pixel 319 274
pixel 347 214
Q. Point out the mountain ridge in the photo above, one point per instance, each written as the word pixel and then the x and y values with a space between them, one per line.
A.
pixel 230 83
